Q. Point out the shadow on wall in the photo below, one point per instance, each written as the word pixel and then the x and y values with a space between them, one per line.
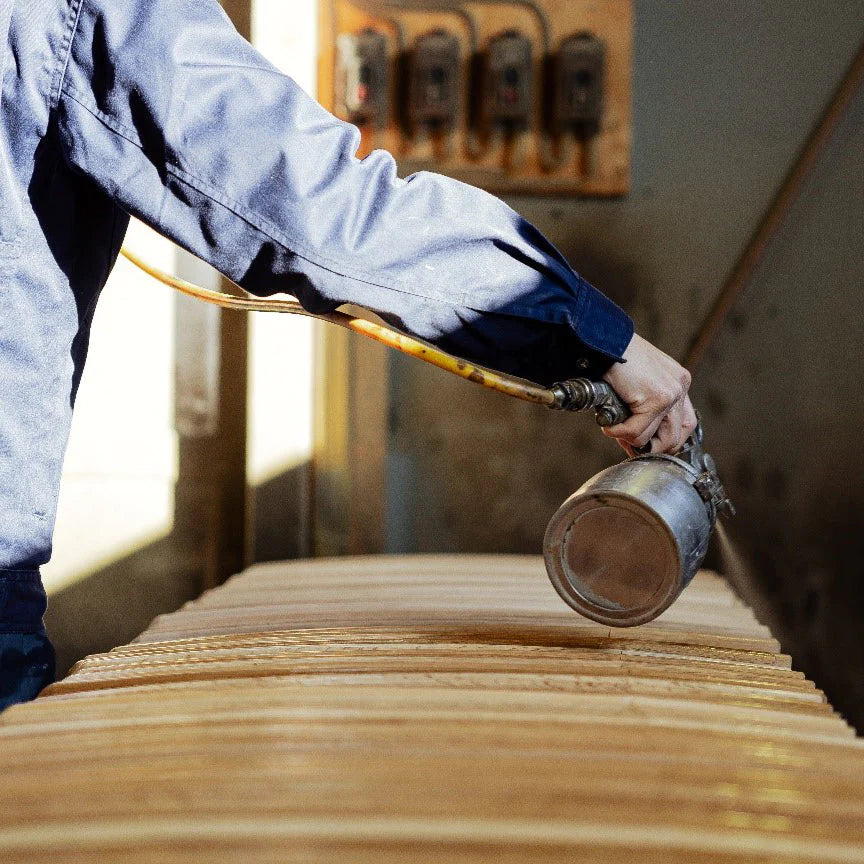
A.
pixel 810 598
pixel 112 606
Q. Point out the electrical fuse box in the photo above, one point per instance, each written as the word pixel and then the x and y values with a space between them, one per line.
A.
pixel 362 81
pixel 579 84
pixel 509 81
pixel 435 80
pixel 523 97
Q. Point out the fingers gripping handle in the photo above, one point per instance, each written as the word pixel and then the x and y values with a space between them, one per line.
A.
pixel 580 394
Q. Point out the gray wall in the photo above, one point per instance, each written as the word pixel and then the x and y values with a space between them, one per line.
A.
pixel 725 96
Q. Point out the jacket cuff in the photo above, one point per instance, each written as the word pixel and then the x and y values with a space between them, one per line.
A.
pixel 604 331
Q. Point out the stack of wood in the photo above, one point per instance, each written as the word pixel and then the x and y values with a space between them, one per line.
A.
pixel 419 709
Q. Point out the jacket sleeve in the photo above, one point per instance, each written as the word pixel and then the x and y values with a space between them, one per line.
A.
pixel 188 128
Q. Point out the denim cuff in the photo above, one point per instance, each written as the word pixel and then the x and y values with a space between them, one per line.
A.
pixel 604 328
pixel 22 601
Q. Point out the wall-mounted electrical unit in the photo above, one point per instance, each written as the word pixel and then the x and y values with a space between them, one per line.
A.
pixel 362 83
pixel 526 96
pixel 508 95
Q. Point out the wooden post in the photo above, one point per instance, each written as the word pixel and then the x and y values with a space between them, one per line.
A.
pixel 350 444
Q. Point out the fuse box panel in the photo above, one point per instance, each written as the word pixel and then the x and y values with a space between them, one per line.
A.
pixel 509 90
pixel 436 80
pixel 362 83
pixel 528 96
pixel 579 85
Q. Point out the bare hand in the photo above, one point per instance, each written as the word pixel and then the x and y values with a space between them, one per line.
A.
pixel 654 387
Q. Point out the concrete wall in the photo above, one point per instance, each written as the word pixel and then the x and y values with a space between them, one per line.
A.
pixel 725 96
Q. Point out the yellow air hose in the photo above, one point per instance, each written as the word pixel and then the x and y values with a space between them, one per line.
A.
pixel 503 383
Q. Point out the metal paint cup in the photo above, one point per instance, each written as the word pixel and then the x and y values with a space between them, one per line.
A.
pixel 624 546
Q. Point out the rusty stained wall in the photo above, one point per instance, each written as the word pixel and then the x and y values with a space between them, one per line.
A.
pixel 725 96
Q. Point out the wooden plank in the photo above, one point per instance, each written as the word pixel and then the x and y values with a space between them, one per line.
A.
pixel 432 708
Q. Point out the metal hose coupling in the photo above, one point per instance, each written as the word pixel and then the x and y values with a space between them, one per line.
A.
pixel 580 394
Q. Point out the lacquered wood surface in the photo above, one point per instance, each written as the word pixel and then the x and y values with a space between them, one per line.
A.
pixel 446 709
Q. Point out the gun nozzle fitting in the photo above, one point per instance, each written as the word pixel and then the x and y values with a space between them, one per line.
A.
pixel 577 394
pixel 580 394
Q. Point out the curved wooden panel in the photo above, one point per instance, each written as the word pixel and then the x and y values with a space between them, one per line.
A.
pixel 446 709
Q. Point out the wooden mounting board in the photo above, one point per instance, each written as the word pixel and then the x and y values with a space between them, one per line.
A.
pixel 608 154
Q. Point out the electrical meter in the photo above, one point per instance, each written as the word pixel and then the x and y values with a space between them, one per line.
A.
pixel 435 80
pixel 509 81
pixel 579 84
pixel 362 76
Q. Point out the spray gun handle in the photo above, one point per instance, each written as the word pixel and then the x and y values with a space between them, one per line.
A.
pixel 580 394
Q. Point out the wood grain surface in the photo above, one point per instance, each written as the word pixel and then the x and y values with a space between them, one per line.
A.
pixel 440 708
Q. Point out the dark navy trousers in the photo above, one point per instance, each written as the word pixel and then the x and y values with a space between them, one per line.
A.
pixel 159 109
pixel 26 655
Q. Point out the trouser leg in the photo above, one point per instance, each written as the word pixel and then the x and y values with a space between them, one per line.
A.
pixel 26 653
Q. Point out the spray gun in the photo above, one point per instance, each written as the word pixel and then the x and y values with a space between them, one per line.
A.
pixel 627 543
pixel 624 546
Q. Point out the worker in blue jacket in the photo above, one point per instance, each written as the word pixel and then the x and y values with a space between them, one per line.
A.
pixel 159 109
